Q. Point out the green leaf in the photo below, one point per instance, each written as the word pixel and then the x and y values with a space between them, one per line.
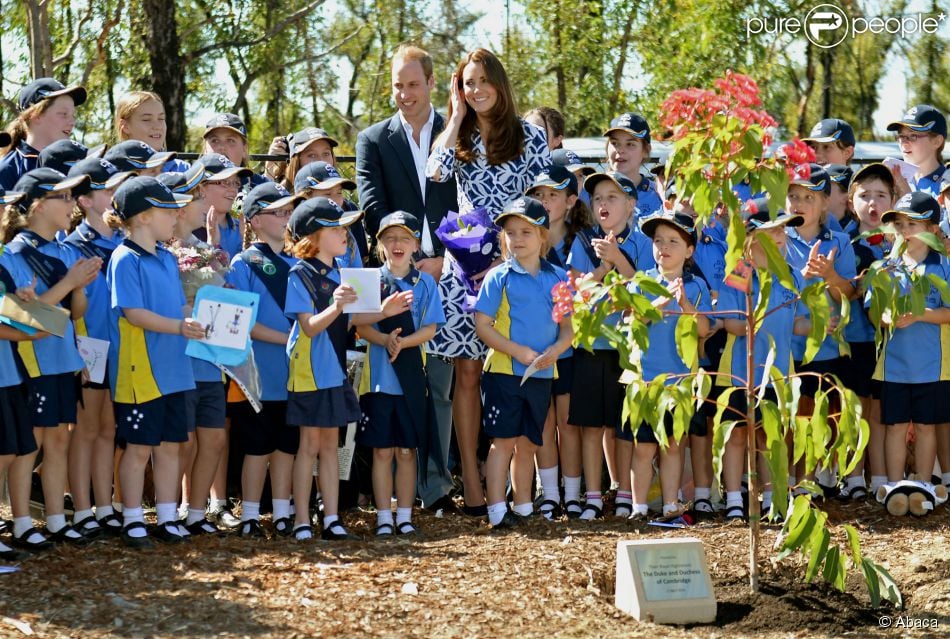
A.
pixel 818 547
pixel 778 265
pixel 735 240
pixel 872 581
pixel 776 455
pixel 854 542
pixel 801 524
pixel 834 569
pixel 932 241
pixel 687 340
pixel 942 287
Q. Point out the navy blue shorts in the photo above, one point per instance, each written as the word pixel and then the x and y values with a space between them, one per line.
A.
pixel 512 410
pixel 644 434
pixel 810 383
pixel 264 432
pixel 857 370
pixel 565 376
pixel 327 408
pixel 104 385
pixel 53 398
pixel 386 422
pixel 917 403
pixel 597 395
pixel 206 405
pixel 161 420
pixel 737 406
pixel 16 431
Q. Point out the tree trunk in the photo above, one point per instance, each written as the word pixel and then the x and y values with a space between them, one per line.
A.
pixel 826 81
pixel 168 74
pixel 41 52
pixel 805 92
pixel 753 458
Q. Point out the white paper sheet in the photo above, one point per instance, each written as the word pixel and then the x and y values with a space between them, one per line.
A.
pixel 366 283
pixel 907 169
pixel 531 370
pixel 95 353
pixel 228 325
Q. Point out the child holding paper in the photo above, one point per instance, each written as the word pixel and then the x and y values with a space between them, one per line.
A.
pixel 513 318
pixel 60 276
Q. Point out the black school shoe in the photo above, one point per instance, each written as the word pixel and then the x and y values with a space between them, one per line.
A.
pixel 337 532
pixel 12 554
pixel 509 521
pixel 136 543
pixel 203 527
pixel 252 529
pixel 33 546
pixel 62 536
pixel 167 533
pixel 446 504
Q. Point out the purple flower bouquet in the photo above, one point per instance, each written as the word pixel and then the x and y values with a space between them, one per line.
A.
pixel 472 241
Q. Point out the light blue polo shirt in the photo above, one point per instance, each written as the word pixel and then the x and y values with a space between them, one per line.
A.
pixel 51 355
pixel 95 323
pixel 710 257
pixel 638 249
pixel 777 325
pixel 352 257
pixel 271 358
pixel 919 353
pixel 649 202
pixel 929 184
pixel 521 305
pixel 661 356
pixel 797 250
pixel 378 374
pixel 313 361
pixel 144 365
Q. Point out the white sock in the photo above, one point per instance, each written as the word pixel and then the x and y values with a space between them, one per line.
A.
pixel 250 510
pixel 640 509
pixel 55 523
pixel 855 482
pixel 670 508
pixel 945 479
pixel 281 508
pixel 701 493
pixel 103 511
pixel 624 497
pixel 302 532
pixel 5 548
pixel 195 515
pixel 496 512
pixel 329 519
pixel 593 499
pixel 549 487
pixel 166 513
pixel 79 515
pixel 524 510
pixel 131 515
pixel 734 498
pixel 572 489
pixel 766 499
pixel 384 517
pixel 877 481
pixel 21 525
pixel 403 515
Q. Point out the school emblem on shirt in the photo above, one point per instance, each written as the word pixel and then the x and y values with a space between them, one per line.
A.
pixel 269 268
pixel 325 287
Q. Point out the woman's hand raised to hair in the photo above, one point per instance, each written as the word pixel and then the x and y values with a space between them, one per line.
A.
pixel 457 100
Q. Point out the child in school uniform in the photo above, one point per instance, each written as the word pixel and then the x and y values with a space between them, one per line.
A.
pixel 871 195
pixel 628 147
pixel 140 115
pixel 398 411
pixel 226 134
pixel 785 316
pixel 306 146
pixel 319 179
pixel 513 318
pixel 92 445
pixel 911 366
pixel 615 243
pixel 149 372
pixel 832 140
pixel 138 157
pixel 674 242
pixel 29 232
pixel 46 112
pixel 320 400
pixel 63 154
pixel 840 217
pixel 921 133
pixel 263 267
pixel 16 433
pixel 223 180
pixel 556 189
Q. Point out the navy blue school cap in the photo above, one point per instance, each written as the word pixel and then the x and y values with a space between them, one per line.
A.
pixel 320 175
pixel 317 213
pixel 623 183
pixel 839 174
pixel 135 155
pixel 102 173
pixel 528 209
pixel 757 216
pixel 186 182
pixel 218 167
pixel 917 205
pixel 818 179
pixel 875 170
pixel 9 197
pixel 64 154
pixel 226 121
pixel 300 140
pixel 40 182
pixel 142 193
pixel 403 220
pixel 632 123
pixel 831 130
pixel 570 161
pixel 922 118
pixel 267 197
pixel 679 221
pixel 558 178
pixel 48 89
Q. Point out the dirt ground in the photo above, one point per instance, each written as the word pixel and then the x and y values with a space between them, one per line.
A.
pixel 461 580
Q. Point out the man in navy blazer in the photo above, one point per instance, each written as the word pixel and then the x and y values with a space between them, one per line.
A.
pixel 390 176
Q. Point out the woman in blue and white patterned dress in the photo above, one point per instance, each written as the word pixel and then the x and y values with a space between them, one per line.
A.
pixel 493 155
